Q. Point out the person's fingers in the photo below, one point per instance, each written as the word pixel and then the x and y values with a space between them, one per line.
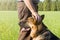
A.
pixel 39 19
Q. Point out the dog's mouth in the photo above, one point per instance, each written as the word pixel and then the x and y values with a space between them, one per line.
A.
pixel 25 29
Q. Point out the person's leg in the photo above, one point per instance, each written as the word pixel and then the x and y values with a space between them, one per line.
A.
pixel 23 14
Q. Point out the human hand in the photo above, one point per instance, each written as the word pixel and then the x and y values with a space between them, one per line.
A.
pixel 37 17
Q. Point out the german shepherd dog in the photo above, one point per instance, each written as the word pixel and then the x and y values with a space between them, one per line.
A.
pixel 39 31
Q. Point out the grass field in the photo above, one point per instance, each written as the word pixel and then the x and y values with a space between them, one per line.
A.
pixel 9 23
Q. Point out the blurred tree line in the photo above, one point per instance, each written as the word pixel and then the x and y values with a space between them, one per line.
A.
pixel 49 5
pixel 7 5
pixel 46 5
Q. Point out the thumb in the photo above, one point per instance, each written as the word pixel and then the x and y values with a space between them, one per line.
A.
pixel 39 19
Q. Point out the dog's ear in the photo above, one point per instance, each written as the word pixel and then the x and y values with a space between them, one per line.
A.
pixel 42 16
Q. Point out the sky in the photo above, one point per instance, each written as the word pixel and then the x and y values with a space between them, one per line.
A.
pixel 42 0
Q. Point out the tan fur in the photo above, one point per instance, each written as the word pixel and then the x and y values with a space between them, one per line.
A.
pixel 34 29
pixel 31 22
pixel 39 31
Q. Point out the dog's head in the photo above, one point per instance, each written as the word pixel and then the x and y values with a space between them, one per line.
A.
pixel 33 20
pixel 33 25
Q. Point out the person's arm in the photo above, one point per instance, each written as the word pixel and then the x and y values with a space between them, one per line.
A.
pixel 30 6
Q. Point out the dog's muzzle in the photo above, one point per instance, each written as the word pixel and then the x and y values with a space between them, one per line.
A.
pixel 25 29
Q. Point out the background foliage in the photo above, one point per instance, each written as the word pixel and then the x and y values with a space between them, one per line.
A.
pixel 49 5
pixel 46 5
pixel 7 5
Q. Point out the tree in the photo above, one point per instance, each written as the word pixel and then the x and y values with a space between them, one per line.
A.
pixel 40 6
pixel 53 6
pixel 46 5
pixel 58 5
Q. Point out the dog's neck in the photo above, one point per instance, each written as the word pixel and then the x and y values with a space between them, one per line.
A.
pixel 41 29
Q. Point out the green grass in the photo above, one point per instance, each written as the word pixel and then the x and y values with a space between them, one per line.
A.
pixel 8 25
pixel 9 28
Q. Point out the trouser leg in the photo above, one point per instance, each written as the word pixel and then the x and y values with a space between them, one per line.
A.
pixel 23 14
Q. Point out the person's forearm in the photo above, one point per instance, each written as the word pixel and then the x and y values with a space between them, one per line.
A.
pixel 30 6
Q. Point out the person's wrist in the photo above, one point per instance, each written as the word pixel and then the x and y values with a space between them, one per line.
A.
pixel 34 13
